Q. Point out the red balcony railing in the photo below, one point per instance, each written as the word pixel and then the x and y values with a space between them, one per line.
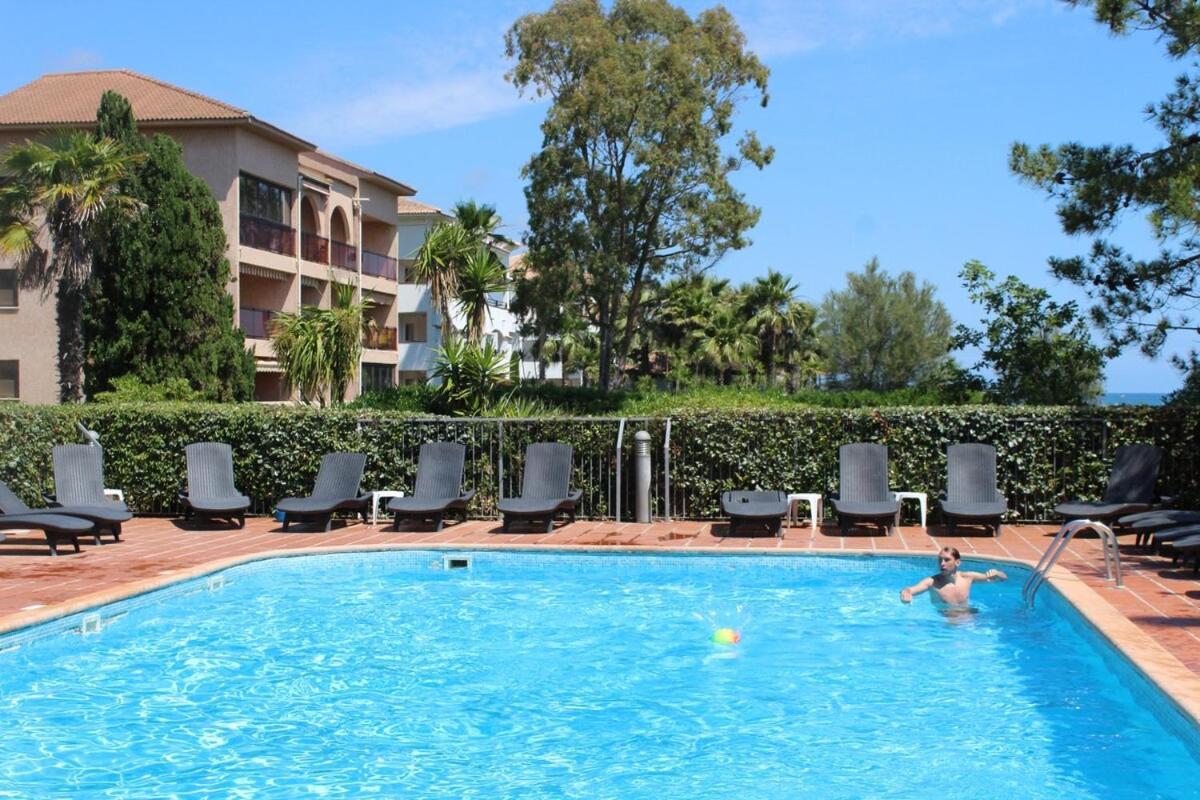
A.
pixel 343 255
pixel 380 338
pixel 256 322
pixel 267 235
pixel 314 248
pixel 380 265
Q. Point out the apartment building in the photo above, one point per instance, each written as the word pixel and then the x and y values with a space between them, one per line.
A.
pixel 296 218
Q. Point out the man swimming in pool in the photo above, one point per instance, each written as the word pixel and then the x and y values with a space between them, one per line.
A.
pixel 950 586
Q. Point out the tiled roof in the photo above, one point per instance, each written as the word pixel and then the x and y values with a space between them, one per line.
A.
pixel 66 98
pixel 406 205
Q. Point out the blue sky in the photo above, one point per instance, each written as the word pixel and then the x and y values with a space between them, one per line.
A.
pixel 891 119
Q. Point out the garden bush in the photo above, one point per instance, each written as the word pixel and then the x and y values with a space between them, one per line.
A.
pixel 1044 454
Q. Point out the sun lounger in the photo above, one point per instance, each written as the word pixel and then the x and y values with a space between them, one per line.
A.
pixel 863 493
pixel 755 509
pixel 971 496
pixel 1147 524
pixel 79 489
pixel 211 493
pixel 438 486
pixel 101 518
pixel 545 487
pixel 1130 487
pixel 56 527
pixel 336 489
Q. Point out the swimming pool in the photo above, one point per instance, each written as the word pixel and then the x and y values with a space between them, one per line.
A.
pixel 580 675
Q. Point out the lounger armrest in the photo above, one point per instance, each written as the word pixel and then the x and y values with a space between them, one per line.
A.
pixel 183 498
pixel 52 500
pixel 575 496
pixel 467 495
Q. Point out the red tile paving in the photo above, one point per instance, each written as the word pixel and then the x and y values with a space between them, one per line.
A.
pixel 1162 600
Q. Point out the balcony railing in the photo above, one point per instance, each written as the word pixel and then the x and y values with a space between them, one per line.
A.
pixel 256 322
pixel 314 248
pixel 343 255
pixel 380 265
pixel 380 338
pixel 267 235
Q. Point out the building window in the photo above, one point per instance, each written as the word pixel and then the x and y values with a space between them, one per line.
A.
pixel 265 200
pixel 10 380
pixel 8 288
pixel 377 377
pixel 412 377
pixel 412 327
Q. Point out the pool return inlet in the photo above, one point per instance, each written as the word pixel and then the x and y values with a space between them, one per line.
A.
pixel 1108 543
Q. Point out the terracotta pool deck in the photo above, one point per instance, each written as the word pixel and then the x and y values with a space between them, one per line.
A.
pixel 1162 601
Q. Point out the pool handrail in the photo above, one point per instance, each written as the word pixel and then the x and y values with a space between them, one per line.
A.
pixel 1112 555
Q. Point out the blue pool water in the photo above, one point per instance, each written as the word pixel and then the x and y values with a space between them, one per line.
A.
pixel 584 676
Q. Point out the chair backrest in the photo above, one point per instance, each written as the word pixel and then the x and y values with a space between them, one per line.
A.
pixel 440 470
pixel 971 473
pixel 339 476
pixel 210 471
pixel 756 496
pixel 863 472
pixel 79 475
pixel 9 502
pixel 547 471
pixel 1134 474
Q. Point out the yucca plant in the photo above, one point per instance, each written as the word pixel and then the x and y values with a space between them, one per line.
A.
pixel 480 276
pixel 318 349
pixel 470 375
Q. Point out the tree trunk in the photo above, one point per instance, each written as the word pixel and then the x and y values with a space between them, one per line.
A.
pixel 69 306
pixel 606 345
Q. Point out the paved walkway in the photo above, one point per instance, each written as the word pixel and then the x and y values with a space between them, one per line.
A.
pixel 1163 601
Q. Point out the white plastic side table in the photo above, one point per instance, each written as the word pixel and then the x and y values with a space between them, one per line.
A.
pixel 920 497
pixel 375 498
pixel 815 507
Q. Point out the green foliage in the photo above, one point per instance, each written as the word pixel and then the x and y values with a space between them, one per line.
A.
pixel 1045 455
pixel 1189 393
pixel 480 276
pixel 470 376
pixel 115 120
pixel 1137 300
pixel 883 332
pixel 62 191
pixel 158 306
pixel 1040 351
pixel 131 389
pixel 318 349
pixel 632 180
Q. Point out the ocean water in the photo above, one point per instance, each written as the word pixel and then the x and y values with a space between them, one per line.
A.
pixel 582 676
pixel 1132 399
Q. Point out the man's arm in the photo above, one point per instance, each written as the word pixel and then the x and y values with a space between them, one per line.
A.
pixel 986 577
pixel 917 588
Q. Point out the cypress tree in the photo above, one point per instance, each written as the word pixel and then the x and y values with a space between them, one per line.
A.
pixel 159 308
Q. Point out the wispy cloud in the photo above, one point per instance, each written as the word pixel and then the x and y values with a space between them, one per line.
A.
pixel 76 60
pixel 410 105
pixel 779 28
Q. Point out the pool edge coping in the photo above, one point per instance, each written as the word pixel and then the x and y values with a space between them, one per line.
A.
pixel 1152 660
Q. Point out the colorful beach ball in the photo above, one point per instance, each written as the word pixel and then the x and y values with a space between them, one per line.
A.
pixel 726 636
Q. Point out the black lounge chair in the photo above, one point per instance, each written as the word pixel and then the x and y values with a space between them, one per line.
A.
pixel 79 489
pixel 100 518
pixel 1148 524
pixel 437 489
pixel 756 509
pixel 971 496
pixel 545 487
pixel 863 493
pixel 336 489
pixel 55 526
pixel 211 493
pixel 1130 487
pixel 1183 541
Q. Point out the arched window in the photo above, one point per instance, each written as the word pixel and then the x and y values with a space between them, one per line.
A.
pixel 339 231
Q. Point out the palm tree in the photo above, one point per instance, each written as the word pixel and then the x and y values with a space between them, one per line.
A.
pixel 771 304
pixel 445 248
pixel 480 276
pixel 726 343
pixel 480 220
pixel 576 347
pixel 318 349
pixel 62 187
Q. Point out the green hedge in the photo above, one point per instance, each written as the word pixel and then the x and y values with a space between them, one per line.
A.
pixel 1045 454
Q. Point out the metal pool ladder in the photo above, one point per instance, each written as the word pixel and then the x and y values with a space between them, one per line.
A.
pixel 1108 543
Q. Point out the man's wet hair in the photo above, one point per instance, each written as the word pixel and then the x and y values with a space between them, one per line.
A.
pixel 952 551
